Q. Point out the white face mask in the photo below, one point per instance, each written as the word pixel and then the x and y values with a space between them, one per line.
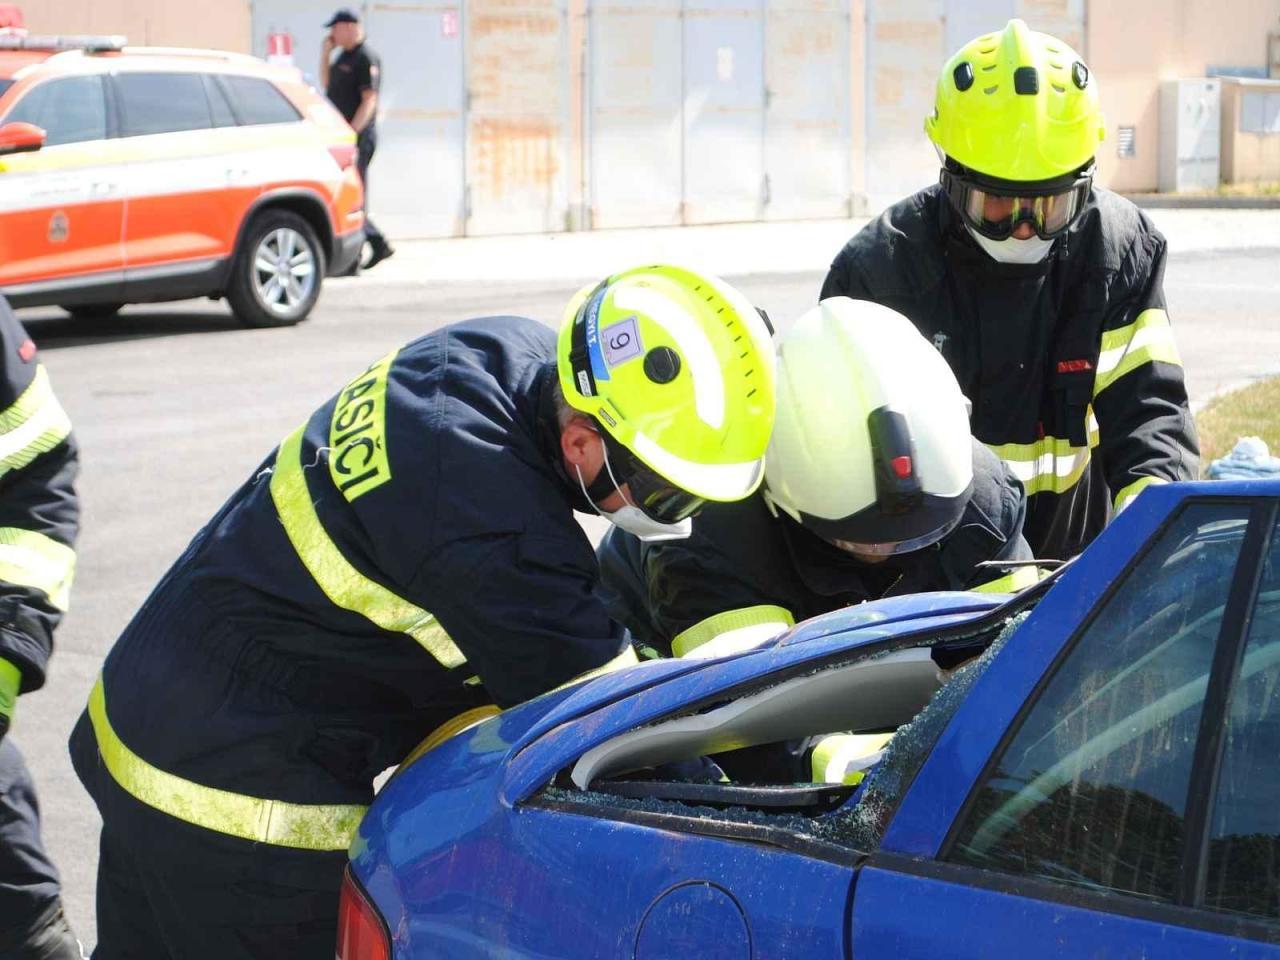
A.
pixel 1012 250
pixel 634 520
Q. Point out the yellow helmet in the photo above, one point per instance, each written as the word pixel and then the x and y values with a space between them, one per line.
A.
pixel 1016 116
pixel 677 368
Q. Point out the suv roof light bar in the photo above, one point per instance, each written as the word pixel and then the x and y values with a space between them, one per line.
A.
pixel 92 43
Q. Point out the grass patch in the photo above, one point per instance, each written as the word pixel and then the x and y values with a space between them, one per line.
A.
pixel 1251 412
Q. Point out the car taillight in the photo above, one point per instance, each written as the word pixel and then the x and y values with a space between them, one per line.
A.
pixel 362 934
pixel 345 155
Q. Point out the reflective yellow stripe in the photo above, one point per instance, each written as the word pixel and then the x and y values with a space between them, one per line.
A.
pixel 304 827
pixel 341 582
pixel 1049 465
pixel 1018 579
pixel 732 631
pixel 30 559
pixel 834 754
pixel 451 728
pixel 10 686
pixel 1126 495
pixel 1147 339
pixel 33 424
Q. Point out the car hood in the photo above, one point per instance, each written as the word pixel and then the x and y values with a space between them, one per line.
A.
pixel 524 746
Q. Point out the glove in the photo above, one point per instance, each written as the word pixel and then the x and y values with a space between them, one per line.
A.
pixel 10 682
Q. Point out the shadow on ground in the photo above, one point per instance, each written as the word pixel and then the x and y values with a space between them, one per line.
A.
pixel 52 329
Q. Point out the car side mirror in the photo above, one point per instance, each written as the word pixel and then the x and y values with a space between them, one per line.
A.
pixel 20 138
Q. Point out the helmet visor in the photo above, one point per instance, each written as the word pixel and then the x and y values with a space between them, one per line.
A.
pixel 996 210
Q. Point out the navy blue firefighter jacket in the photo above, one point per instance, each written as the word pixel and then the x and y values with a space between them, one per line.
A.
pixel 409 553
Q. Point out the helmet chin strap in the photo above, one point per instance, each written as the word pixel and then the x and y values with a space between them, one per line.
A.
pixel 604 485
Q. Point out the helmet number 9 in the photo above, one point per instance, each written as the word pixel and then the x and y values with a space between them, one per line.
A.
pixel 622 342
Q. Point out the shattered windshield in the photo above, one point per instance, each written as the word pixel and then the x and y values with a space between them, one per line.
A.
pixel 862 824
pixel 852 818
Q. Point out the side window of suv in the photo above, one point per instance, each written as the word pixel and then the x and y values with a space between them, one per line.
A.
pixel 257 101
pixel 162 103
pixel 1092 788
pixel 1243 874
pixel 68 109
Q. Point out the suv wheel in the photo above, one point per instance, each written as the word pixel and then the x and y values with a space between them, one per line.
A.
pixel 275 278
pixel 93 311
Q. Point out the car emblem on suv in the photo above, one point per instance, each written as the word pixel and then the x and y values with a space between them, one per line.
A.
pixel 59 228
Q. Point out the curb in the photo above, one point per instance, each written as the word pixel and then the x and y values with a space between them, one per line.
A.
pixel 1197 406
pixel 1175 201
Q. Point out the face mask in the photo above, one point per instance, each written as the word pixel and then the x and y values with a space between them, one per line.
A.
pixel 634 520
pixel 1012 250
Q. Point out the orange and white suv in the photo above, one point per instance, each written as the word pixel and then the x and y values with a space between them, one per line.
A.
pixel 137 175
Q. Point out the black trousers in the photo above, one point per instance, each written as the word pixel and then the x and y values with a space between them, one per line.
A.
pixel 366 144
pixel 168 890
pixel 29 901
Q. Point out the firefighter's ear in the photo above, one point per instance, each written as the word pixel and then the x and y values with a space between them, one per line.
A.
pixel 581 446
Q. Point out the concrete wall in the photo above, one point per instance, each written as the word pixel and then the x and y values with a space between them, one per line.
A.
pixel 1132 45
pixel 222 24
pixel 1249 157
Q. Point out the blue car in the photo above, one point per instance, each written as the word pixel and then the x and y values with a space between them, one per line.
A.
pixel 1090 768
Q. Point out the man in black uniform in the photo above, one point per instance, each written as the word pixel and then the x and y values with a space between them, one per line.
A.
pixel 1042 291
pixel 39 516
pixel 351 82
pixel 873 487
pixel 407 556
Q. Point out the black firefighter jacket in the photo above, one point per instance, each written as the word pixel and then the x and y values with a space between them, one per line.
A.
pixel 39 513
pixel 410 552
pixel 746 573
pixel 1070 363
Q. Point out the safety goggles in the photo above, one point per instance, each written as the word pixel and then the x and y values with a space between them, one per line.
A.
pixel 995 208
pixel 655 496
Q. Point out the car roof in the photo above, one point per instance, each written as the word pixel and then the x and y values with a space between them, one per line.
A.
pixel 50 61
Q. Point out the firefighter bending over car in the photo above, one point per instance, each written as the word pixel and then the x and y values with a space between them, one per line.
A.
pixel 873 488
pixel 1042 291
pixel 39 518
pixel 406 560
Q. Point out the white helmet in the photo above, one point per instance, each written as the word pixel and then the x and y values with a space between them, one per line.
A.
pixel 871 448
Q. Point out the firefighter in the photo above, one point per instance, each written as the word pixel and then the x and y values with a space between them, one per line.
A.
pixel 407 559
pixel 39 517
pixel 1042 291
pixel 873 487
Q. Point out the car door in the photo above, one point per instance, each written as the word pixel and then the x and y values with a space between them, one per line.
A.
pixel 1108 789
pixel 178 215
pixel 61 207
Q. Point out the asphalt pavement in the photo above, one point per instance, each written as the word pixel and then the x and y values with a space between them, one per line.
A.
pixel 175 405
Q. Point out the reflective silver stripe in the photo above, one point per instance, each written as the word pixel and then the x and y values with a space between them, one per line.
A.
pixel 341 582
pixel 33 424
pixel 31 559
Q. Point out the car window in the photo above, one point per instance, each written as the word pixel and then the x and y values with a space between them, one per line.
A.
pixel 1092 789
pixel 162 103
pixel 4 85
pixel 69 110
pixel 219 107
pixel 257 101
pixel 1244 828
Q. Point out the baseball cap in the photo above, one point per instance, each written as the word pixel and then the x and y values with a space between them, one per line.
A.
pixel 344 15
